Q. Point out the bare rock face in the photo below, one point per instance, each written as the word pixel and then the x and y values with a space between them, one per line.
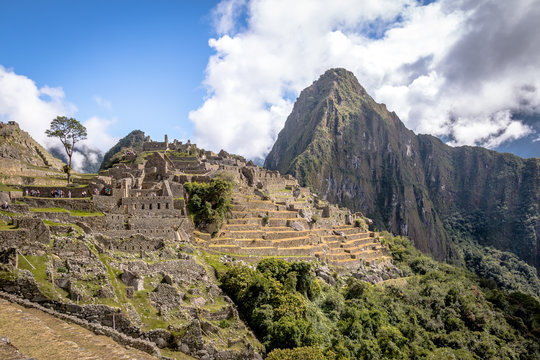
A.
pixel 354 152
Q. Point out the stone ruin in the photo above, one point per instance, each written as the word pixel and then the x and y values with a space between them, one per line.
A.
pixel 136 213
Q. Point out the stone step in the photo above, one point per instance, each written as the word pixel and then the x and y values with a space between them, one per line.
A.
pixel 242 227
pixel 333 244
pixel 254 205
pixel 333 238
pixel 338 256
pixel 356 243
pixel 253 220
pixel 253 234
pixel 276 228
pixel 283 214
pixel 360 236
pixel 292 241
pixel 246 214
pixel 364 249
pixel 202 236
pixel 255 242
pixel 350 230
pixel 298 250
pixel 276 235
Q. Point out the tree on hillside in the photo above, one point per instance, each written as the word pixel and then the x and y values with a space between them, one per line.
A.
pixel 69 131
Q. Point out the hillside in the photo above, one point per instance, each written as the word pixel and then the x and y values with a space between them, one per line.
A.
pixel 183 253
pixel 25 161
pixel 132 141
pixel 354 152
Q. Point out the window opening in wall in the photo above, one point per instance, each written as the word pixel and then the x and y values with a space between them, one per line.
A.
pixel 150 206
pixel 159 206
pixel 142 206
pixel 166 205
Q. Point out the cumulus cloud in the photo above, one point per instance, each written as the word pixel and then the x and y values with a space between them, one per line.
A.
pixel 21 100
pixel 450 68
pixel 32 107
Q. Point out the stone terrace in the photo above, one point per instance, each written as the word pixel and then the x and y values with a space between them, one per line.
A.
pixel 258 228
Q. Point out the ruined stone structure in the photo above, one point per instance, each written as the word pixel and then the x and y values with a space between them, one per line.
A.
pixel 133 218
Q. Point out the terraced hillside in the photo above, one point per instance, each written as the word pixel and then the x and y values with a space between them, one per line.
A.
pixel 291 227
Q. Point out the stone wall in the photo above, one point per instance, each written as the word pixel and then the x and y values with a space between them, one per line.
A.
pixel 155 146
pixel 154 223
pixel 134 244
pixel 107 204
pixel 37 230
pixel 46 191
pixel 69 204
pixel 149 205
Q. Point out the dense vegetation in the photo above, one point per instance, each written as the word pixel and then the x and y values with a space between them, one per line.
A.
pixel 436 311
pixel 209 202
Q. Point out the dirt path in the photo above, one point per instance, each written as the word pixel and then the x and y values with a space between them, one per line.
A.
pixel 42 336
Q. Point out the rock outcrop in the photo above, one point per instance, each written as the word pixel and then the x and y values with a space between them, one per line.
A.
pixel 354 152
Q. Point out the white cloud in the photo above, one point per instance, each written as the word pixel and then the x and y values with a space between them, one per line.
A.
pixel 449 68
pixel 32 107
pixel 98 136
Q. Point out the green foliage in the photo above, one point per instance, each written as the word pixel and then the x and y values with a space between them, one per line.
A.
pixel 436 311
pixel 300 353
pixel 69 131
pixel 225 323
pixel 209 203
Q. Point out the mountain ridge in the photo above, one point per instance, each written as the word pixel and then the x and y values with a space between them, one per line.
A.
pixel 362 156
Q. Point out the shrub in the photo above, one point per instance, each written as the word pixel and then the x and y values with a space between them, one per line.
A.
pixel 209 203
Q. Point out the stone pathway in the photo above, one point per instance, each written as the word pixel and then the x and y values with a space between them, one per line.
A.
pixel 42 336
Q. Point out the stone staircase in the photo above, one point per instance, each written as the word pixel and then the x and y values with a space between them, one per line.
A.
pixel 260 228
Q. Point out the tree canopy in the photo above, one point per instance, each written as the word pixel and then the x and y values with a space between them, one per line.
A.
pixel 69 131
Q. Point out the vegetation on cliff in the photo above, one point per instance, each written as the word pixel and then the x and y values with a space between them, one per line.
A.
pixel 354 152
pixel 436 310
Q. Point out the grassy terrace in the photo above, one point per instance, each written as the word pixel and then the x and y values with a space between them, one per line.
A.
pixel 71 212
pixel 6 226
pixel 4 187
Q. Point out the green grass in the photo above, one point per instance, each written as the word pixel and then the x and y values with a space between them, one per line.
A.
pixel 55 210
pixel 39 271
pixel 6 226
pixel 77 228
pixel 4 187
pixel 9 213
pixel 86 213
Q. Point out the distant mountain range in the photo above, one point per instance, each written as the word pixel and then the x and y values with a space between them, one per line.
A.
pixel 354 152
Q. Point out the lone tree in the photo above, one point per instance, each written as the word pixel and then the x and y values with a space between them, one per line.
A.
pixel 69 131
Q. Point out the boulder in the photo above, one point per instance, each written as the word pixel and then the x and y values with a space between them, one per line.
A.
pixel 296 226
pixel 198 301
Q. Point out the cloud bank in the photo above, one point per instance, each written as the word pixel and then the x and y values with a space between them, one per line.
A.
pixel 455 69
pixel 21 100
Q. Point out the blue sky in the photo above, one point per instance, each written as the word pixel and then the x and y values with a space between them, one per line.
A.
pixel 225 74
pixel 144 58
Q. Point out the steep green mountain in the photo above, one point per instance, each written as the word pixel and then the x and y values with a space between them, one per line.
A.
pixel 134 140
pixel 355 152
